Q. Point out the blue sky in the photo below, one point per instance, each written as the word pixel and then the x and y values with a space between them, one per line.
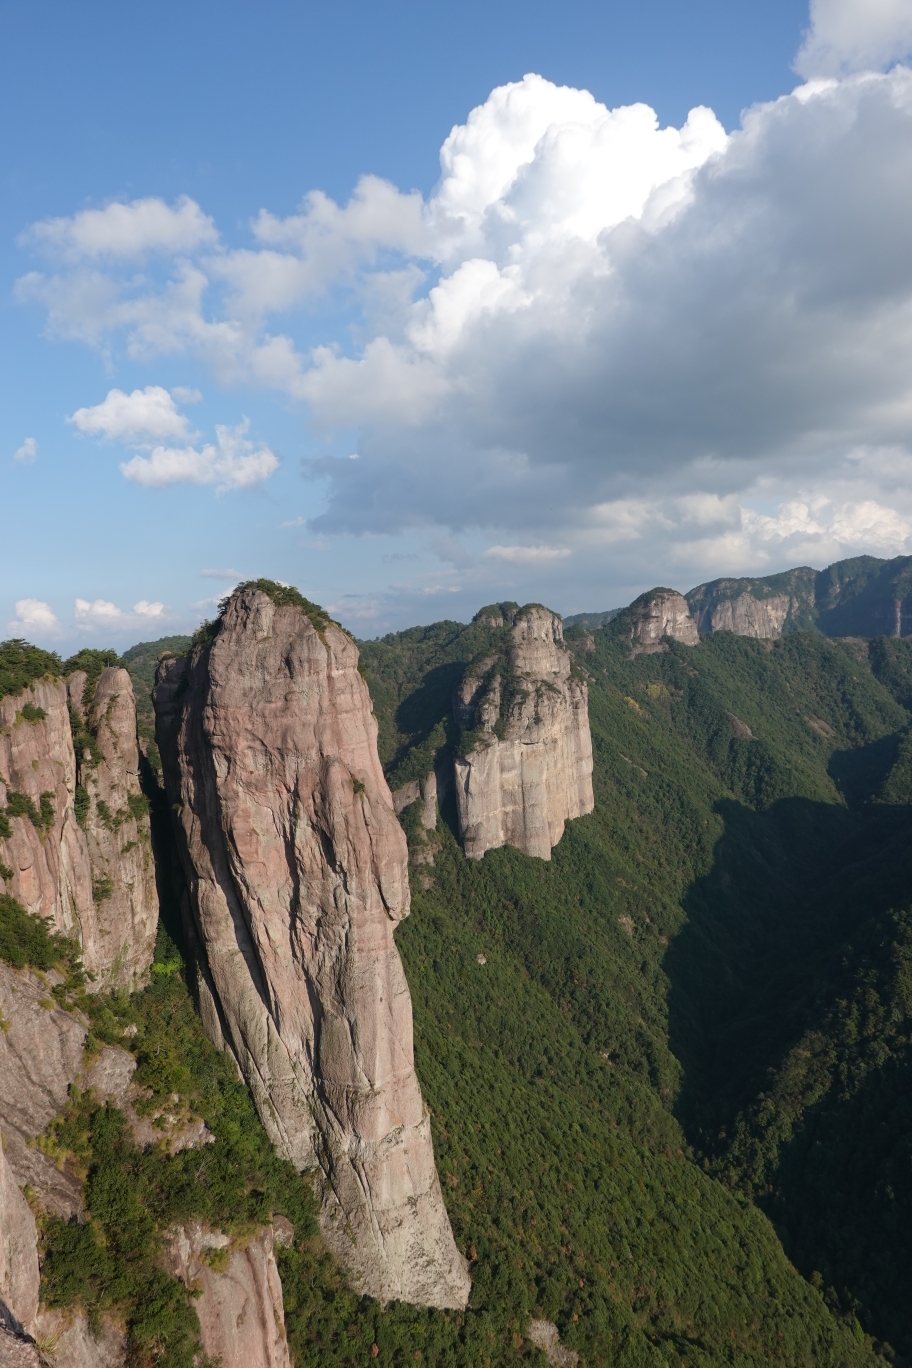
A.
pixel 595 352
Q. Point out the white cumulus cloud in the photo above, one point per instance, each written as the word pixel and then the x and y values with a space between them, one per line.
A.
pixel 144 417
pixel 34 617
pixel 855 35
pixel 232 463
pixel 101 613
pixel 673 349
pixel 27 452
pixel 127 231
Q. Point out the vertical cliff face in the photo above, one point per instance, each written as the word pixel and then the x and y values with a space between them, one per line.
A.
pixel 18 1255
pixel 116 825
pixel 298 876
pixel 74 835
pixel 239 1307
pixel 656 615
pixel 747 616
pixel 42 847
pixel 526 766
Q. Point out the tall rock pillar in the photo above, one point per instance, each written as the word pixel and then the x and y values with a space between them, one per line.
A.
pixel 297 871
pixel 526 762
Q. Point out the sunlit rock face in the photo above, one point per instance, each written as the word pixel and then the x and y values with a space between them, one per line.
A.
pixel 46 855
pixel 239 1305
pixel 526 762
pixel 75 839
pixel 747 616
pixel 658 615
pixel 116 825
pixel 297 869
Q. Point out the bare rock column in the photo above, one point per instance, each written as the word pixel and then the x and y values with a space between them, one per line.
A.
pixel 297 869
pixel 526 766
pixel 659 614
pixel 116 825
pixel 42 848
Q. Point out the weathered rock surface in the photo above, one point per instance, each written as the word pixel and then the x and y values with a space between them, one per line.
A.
pixel 117 831
pixel 659 614
pixel 70 1343
pixel 16 1351
pixel 528 768
pixel 240 1310
pixel 41 1054
pixel 297 870
pixel 747 616
pixel 423 791
pixel 96 884
pixel 51 875
pixel 18 1254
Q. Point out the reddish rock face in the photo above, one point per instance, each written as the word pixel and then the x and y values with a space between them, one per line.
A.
pixel 95 881
pixel 298 875
pixel 530 769
pixel 18 1253
pixel 240 1305
pixel 117 831
pixel 51 875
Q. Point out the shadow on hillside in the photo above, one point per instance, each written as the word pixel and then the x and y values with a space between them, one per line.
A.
pixel 843 1198
pixel 788 927
pixel 763 946
pixel 419 713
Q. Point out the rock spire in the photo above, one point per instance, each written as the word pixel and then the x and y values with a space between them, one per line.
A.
pixel 297 870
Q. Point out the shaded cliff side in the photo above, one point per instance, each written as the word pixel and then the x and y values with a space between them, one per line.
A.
pixel 74 828
pixel 297 871
pixel 524 761
pixel 862 596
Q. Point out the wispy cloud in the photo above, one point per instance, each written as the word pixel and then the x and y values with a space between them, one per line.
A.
pixel 27 452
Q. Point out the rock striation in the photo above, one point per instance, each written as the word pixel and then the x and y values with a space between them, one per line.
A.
pixel 526 762
pixel 657 615
pixel 42 846
pixel 238 1295
pixel 74 833
pixel 297 871
pixel 41 1054
pixel 747 616
pixel 18 1256
pixel 116 825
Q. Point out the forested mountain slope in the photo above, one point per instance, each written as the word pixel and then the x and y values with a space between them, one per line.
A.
pixel 668 1069
pixel 720 947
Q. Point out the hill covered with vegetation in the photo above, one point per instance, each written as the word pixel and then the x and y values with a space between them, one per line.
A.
pixel 668 1070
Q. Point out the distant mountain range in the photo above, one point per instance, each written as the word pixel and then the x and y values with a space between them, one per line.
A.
pixel 862 596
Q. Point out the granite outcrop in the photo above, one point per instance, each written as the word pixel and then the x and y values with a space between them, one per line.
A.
pixel 74 829
pixel 524 766
pixel 655 617
pixel 746 615
pixel 116 825
pixel 297 875
pixel 238 1293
